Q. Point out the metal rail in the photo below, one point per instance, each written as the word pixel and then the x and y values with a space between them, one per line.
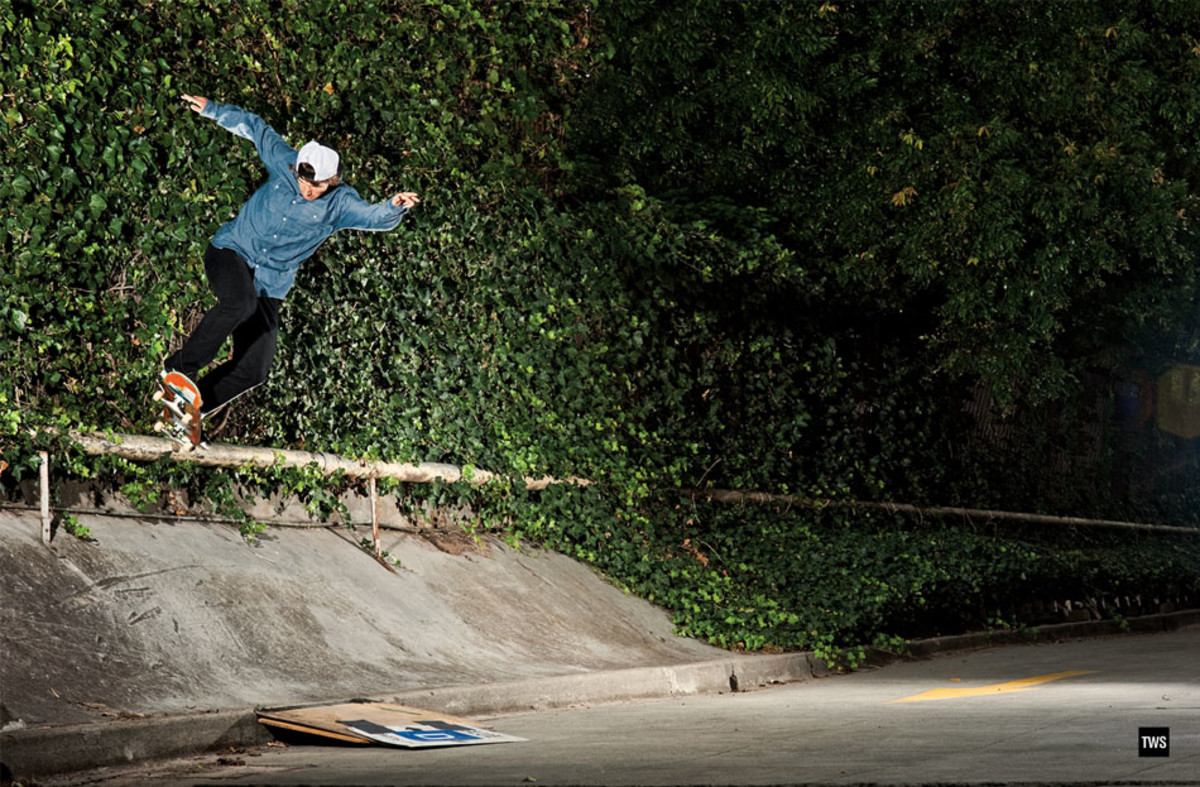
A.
pixel 140 448
pixel 729 496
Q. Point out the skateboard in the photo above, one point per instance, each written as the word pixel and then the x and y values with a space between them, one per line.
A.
pixel 180 417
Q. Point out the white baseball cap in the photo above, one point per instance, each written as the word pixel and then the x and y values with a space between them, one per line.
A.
pixel 324 160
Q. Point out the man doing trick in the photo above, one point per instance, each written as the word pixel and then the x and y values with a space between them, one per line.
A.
pixel 252 260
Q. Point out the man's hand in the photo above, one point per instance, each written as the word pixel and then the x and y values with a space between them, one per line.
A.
pixel 405 199
pixel 194 103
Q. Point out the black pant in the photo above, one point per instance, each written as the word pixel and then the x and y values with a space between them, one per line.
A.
pixel 252 320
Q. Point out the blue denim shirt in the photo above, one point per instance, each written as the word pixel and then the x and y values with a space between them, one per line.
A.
pixel 277 229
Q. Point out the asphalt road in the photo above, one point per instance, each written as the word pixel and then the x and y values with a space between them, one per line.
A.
pixel 1040 714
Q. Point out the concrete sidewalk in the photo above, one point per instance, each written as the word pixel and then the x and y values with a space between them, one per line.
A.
pixel 159 640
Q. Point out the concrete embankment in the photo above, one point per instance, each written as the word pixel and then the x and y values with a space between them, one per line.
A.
pixel 160 638
pixel 164 625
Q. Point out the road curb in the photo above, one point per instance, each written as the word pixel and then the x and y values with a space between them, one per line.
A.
pixel 1144 624
pixel 39 752
pixel 46 751
pixel 705 677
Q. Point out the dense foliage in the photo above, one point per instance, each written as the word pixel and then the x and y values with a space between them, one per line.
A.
pixel 777 578
pixel 759 245
pixel 1014 176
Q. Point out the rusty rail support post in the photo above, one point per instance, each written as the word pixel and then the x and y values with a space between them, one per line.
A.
pixel 375 517
pixel 45 488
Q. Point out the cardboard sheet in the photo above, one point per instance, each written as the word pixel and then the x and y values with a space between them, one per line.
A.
pixel 367 721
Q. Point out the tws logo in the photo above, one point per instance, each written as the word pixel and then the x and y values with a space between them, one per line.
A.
pixel 1154 741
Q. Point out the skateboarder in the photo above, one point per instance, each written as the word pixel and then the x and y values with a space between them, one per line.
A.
pixel 252 260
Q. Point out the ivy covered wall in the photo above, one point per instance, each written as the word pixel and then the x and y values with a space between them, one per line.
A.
pixel 775 246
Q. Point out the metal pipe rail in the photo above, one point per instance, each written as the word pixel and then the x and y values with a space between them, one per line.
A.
pixel 761 498
pixel 141 448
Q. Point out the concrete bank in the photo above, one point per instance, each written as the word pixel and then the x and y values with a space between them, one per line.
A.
pixel 161 635
pixel 160 639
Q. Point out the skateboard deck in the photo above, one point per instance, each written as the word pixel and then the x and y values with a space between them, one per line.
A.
pixel 180 416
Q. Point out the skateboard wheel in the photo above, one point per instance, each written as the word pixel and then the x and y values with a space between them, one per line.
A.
pixel 158 395
pixel 186 420
pixel 159 426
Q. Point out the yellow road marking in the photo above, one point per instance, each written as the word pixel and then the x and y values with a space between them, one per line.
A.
pixel 995 688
